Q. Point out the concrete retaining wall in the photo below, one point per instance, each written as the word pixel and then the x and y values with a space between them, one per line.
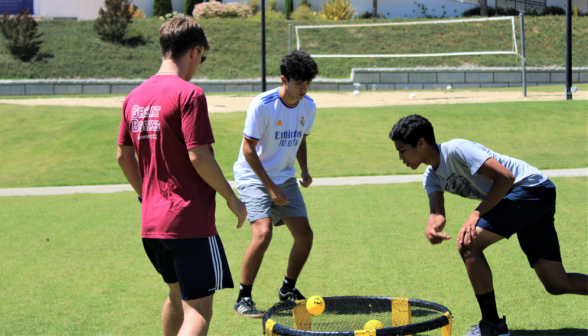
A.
pixel 361 79
pixel 459 78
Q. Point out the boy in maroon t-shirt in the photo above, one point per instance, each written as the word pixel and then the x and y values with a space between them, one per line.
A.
pixel 165 123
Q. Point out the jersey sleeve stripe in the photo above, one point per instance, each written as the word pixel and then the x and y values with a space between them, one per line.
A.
pixel 250 137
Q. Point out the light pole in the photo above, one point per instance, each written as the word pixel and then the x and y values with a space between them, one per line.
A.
pixel 569 49
pixel 263 83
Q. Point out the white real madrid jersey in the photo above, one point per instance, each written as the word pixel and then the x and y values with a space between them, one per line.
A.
pixel 278 130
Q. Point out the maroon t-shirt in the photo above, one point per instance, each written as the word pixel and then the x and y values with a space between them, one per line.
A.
pixel 162 119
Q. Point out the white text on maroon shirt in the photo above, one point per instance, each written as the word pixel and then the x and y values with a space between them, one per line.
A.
pixel 141 122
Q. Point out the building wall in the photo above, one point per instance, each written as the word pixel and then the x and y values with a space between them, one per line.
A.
pixel 396 8
pixel 58 8
pixel 88 9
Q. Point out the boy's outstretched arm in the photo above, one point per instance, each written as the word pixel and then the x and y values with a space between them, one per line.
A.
pixel 436 221
pixel 503 180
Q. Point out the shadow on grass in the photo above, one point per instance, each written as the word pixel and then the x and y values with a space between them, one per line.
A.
pixel 42 56
pixel 134 41
pixel 550 332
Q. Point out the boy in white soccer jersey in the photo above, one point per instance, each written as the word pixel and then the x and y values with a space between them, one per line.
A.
pixel 277 124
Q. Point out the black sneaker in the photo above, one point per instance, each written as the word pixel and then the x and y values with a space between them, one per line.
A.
pixel 485 328
pixel 294 295
pixel 246 307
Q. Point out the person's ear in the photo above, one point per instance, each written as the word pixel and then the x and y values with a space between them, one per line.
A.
pixel 284 80
pixel 194 52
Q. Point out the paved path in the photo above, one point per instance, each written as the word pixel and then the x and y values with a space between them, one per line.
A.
pixel 326 181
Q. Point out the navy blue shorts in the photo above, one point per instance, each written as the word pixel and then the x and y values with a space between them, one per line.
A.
pixel 528 212
pixel 199 265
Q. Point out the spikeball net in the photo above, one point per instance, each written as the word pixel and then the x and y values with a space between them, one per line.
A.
pixel 347 316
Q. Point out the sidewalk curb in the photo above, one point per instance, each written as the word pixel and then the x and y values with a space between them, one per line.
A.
pixel 318 182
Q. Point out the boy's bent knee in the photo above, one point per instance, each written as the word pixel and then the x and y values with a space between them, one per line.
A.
pixel 555 288
pixel 467 252
pixel 263 238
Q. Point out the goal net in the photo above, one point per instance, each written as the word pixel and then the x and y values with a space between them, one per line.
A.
pixel 453 37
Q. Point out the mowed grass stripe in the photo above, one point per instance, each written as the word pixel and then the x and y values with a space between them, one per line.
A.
pixel 61 146
pixel 74 264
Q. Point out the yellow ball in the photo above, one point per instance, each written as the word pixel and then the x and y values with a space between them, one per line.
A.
pixel 315 305
pixel 373 325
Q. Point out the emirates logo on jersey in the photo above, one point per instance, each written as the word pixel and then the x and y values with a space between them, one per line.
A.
pixel 302 122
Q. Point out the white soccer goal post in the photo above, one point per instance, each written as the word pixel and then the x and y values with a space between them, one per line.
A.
pixel 514 50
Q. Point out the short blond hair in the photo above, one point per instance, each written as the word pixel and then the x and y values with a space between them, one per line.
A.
pixel 179 35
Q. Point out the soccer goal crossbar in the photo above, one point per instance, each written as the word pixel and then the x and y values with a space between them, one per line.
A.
pixel 514 51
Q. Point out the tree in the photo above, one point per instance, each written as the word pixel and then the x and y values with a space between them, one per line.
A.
pixel 21 35
pixel 112 23
pixel 161 7
pixel 189 6
pixel 289 8
pixel 375 9
pixel 483 8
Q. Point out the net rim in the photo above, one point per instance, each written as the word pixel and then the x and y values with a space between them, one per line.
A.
pixel 409 329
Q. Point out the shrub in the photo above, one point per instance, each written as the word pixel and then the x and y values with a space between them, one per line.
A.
pixel 552 10
pixel 21 35
pixel 215 9
pixel 171 16
pixel 304 3
pixel 269 16
pixel 272 5
pixel 161 7
pixel 112 23
pixel 369 15
pixel 337 10
pixel 254 5
pixel 476 11
pixel 500 11
pixel 303 13
pixel 138 13
pixel 189 6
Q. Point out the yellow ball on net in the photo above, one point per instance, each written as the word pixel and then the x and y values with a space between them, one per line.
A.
pixel 315 305
pixel 373 325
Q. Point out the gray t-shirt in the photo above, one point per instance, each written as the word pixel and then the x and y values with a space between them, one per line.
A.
pixel 458 170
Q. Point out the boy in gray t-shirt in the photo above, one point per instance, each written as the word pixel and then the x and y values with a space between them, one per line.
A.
pixel 516 198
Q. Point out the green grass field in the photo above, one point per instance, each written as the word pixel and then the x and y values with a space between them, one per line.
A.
pixel 74 264
pixel 72 49
pixel 57 146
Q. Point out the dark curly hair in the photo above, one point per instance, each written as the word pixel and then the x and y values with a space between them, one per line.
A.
pixel 298 65
pixel 411 128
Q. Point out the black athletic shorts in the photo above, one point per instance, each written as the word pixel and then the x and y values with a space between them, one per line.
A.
pixel 199 265
pixel 529 212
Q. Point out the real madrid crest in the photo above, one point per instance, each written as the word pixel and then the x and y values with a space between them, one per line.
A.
pixel 302 121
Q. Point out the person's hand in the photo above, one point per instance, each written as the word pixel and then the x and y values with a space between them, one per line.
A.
pixel 306 179
pixel 278 195
pixel 434 228
pixel 238 208
pixel 468 234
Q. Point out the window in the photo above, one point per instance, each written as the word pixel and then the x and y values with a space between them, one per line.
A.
pixel 14 6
